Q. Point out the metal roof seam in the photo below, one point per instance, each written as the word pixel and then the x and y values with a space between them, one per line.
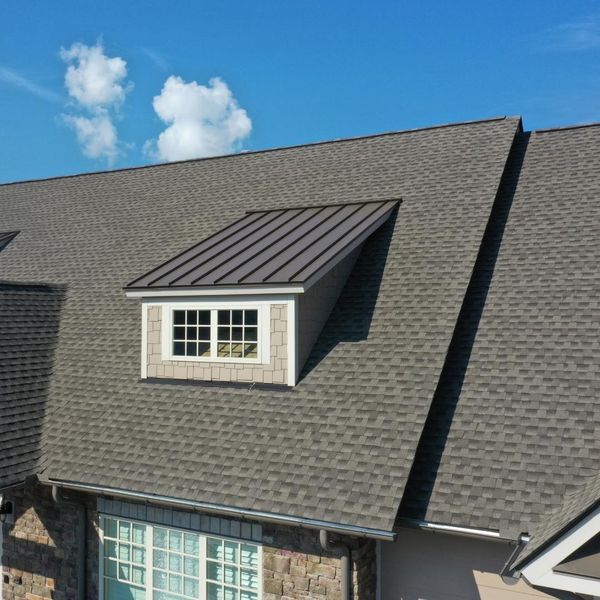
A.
pixel 351 239
pixel 228 246
pixel 287 262
pixel 262 250
pixel 183 252
pixel 249 245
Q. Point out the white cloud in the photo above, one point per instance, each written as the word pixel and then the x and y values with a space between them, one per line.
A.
pixel 97 83
pixel 97 135
pixel 202 120
pixel 92 78
pixel 19 81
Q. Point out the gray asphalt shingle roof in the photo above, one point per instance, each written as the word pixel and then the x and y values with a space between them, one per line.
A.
pixel 517 422
pixel 29 319
pixel 270 247
pixel 576 504
pixel 339 446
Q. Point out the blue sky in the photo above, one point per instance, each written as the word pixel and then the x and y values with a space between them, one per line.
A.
pixel 288 72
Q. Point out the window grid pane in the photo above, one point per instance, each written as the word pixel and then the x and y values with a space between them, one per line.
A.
pixel 124 559
pixel 237 333
pixel 191 333
pixel 176 564
pixel 231 570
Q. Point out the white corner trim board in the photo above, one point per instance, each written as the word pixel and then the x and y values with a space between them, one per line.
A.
pixel 540 571
pixel 144 368
pixel 292 320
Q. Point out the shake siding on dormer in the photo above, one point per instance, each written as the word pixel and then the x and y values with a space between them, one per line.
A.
pixel 276 371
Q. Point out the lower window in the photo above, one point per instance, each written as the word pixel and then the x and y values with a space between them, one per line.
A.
pixel 141 561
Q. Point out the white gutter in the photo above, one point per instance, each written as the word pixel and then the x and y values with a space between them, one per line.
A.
pixel 464 531
pixel 292 521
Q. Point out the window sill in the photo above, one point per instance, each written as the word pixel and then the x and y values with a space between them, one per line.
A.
pixel 244 385
pixel 216 359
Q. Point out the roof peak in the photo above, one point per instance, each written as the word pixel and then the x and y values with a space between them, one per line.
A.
pixel 263 150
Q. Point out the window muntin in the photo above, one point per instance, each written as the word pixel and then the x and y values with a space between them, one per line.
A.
pixel 191 332
pixel 231 570
pixel 124 558
pixel 223 334
pixel 237 333
pixel 175 564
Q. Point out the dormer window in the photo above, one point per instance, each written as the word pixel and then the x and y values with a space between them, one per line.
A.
pixel 225 334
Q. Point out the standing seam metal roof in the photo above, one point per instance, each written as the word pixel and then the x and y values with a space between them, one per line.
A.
pixel 272 247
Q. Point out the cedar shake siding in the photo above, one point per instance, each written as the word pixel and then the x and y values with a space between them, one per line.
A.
pixel 274 372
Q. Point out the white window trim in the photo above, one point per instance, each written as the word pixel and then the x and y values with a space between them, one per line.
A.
pixel 264 332
pixel 540 571
pixel 149 546
pixel 247 301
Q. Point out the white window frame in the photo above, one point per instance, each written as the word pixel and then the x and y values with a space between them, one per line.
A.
pixel 263 336
pixel 149 547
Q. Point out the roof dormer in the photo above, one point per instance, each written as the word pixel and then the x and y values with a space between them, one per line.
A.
pixel 246 304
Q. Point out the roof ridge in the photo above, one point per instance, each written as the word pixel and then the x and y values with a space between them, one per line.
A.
pixel 567 127
pixel 307 206
pixel 262 151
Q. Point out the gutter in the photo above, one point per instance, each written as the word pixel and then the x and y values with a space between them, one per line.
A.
pixel 228 511
pixel 463 531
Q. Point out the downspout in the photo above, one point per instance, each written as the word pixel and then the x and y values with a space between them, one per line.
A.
pixel 507 570
pixel 327 544
pixel 81 541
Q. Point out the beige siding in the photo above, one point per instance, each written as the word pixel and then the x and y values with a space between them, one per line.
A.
pixel 315 306
pixel 274 372
pixel 427 566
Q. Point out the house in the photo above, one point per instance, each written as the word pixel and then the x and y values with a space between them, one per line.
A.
pixel 365 368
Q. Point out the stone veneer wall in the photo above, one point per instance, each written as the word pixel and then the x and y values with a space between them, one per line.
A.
pixel 295 566
pixel 274 372
pixel 40 555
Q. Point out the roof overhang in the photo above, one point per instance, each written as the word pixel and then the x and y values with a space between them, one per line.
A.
pixel 239 290
pixel 541 570
pixel 220 509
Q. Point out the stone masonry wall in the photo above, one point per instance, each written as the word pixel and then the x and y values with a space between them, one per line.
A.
pixel 296 567
pixel 39 558
pixel 274 372
pixel 40 555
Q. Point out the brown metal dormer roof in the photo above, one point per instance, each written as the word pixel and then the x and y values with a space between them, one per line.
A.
pixel 286 246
